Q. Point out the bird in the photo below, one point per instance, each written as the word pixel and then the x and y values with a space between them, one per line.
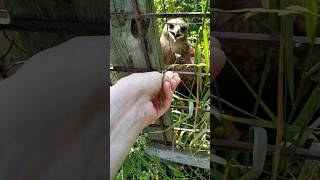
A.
pixel 174 42
pixel 177 49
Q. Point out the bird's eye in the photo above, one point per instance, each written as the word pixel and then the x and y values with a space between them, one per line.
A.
pixel 171 26
pixel 183 29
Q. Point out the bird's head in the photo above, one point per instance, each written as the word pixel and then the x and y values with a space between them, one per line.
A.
pixel 176 29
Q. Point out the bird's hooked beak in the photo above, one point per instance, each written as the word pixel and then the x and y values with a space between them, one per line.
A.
pixel 176 32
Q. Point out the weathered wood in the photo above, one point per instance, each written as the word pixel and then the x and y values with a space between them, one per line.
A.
pixel 10 53
pixel 94 11
pixel 127 50
pixel 84 11
pixel 75 28
pixel 201 160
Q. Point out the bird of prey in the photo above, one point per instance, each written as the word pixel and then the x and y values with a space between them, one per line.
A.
pixel 175 46
pixel 177 49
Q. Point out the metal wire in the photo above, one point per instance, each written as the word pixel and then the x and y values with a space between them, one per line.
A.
pixel 160 15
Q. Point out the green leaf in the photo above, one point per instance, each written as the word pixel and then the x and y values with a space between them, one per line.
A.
pixel 193 32
pixel 263 105
pixel 251 122
pixel 273 4
pixel 264 76
pixel 206 48
pixel 310 108
pixel 299 8
pixel 259 149
pixel 311 21
pixel 312 70
pixel 287 30
pixel 259 154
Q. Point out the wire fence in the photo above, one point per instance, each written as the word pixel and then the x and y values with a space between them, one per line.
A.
pixel 231 37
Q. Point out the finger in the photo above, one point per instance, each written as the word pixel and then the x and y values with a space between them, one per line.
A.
pixel 168 75
pixel 167 98
pixel 173 84
pixel 176 77
pixel 178 80
pixel 152 82
pixel 150 113
pixel 167 91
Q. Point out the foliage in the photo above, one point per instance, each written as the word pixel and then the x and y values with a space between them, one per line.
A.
pixel 296 118
pixel 140 165
pixel 167 6
pixel 191 127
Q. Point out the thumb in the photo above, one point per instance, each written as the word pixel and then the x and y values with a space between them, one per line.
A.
pixel 153 83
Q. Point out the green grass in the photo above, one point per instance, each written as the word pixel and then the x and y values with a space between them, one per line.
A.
pixel 140 165
pixel 297 100
pixel 191 128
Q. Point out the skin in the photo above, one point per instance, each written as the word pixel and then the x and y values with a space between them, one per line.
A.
pixel 132 111
pixel 53 114
pixel 135 104
pixel 51 108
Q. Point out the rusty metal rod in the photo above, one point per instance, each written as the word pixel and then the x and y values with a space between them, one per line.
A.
pixel 186 107
pixel 138 70
pixel 160 15
pixel 57 27
pixel 253 39
pixel 229 145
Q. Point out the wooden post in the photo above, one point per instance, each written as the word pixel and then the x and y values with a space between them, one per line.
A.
pixel 61 10
pixel 128 50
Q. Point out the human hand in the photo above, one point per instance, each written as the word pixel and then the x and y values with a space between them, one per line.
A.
pixel 136 101
pixel 161 102
pixel 157 92
pixel 150 94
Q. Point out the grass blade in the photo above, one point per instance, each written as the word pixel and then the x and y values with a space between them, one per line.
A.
pixel 312 70
pixel 287 25
pixel 280 98
pixel 265 73
pixel 251 122
pixel 310 108
pixel 205 32
pixel 263 105
pixel 311 21
pixel 259 153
